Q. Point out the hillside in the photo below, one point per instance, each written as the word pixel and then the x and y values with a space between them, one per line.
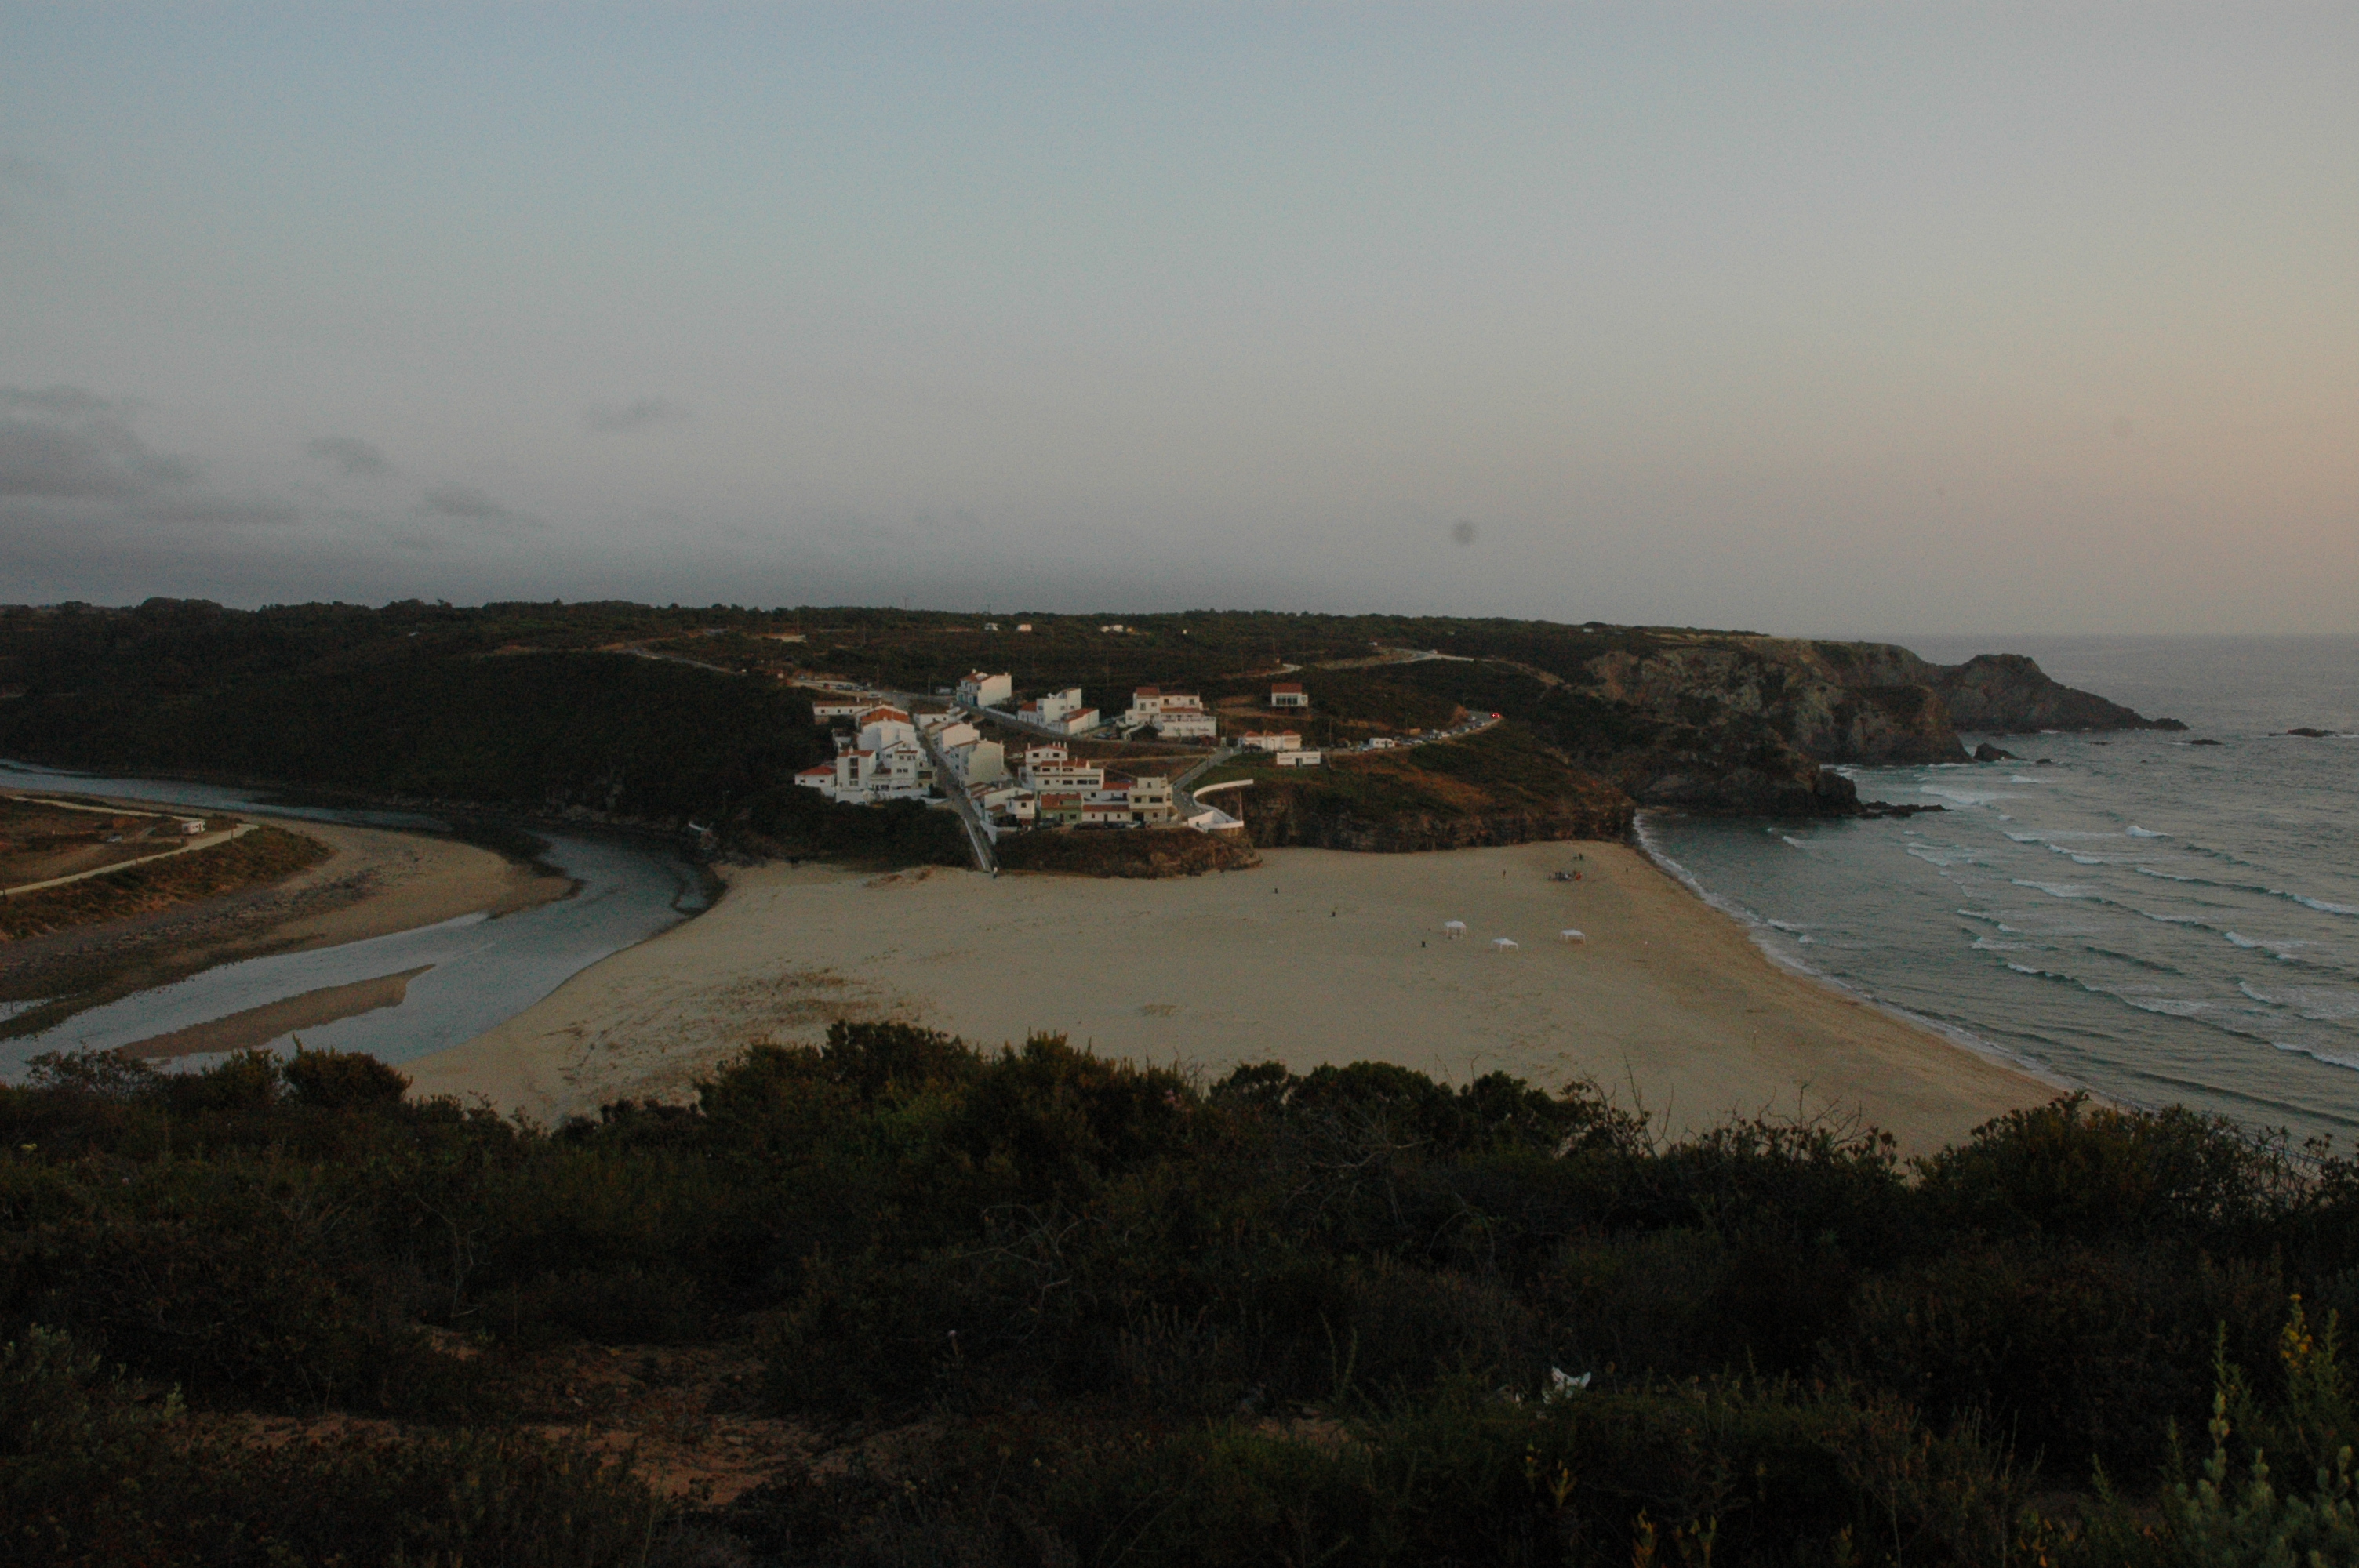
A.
pixel 661 715
pixel 1498 787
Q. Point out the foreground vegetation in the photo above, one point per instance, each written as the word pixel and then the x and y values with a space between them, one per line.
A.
pixel 1112 1315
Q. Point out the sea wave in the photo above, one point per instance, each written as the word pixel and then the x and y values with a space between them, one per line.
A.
pixel 2318 904
pixel 2138 832
pixel 2057 889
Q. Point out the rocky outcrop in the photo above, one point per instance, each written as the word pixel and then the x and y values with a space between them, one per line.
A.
pixel 2010 694
pixel 1986 753
pixel 1744 723
pixel 1858 706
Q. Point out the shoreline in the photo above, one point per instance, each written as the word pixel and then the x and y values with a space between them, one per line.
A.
pixel 375 881
pixel 1753 925
pixel 1319 956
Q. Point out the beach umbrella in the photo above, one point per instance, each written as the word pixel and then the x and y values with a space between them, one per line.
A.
pixel 1570 936
pixel 1503 943
pixel 1453 929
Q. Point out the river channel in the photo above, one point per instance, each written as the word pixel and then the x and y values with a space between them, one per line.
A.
pixel 477 971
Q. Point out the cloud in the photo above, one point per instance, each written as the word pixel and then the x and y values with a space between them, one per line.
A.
pixel 464 503
pixel 64 443
pixel 606 417
pixel 356 457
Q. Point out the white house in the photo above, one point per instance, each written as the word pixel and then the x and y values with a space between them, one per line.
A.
pixel 977 761
pixel 956 733
pixel 1300 759
pixel 1271 740
pixel 1149 799
pixel 883 726
pixel 827 712
pixel 981 690
pixel 1288 695
pixel 1048 768
pixel 1060 710
pixel 1176 715
pixel 1382 743
pixel 862 775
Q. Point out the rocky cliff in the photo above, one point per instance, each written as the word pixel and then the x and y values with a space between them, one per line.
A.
pixel 1733 722
pixel 2007 692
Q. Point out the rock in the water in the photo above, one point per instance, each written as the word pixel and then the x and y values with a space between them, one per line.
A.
pixel 2203 742
pixel 1889 809
pixel 1986 753
pixel 2309 734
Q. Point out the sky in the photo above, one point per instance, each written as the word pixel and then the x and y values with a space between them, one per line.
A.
pixel 1813 319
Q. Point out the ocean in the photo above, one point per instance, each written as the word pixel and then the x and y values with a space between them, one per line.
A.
pixel 2154 919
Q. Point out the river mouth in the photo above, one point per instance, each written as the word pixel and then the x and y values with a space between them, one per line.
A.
pixel 398 995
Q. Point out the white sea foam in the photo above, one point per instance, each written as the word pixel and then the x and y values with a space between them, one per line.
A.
pixel 2055 890
pixel 2166 876
pixel 2138 832
pixel 1797 843
pixel 2331 1058
pixel 2168 1007
pixel 2320 904
pixel 2241 941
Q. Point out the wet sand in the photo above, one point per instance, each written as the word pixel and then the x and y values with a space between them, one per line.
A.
pixel 260 1025
pixel 1317 956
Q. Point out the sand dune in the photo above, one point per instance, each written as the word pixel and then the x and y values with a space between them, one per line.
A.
pixel 1317 956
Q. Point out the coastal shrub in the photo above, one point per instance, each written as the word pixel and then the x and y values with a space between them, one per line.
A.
pixel 2077 1355
pixel 342 1080
pixel 94 1473
pixel 2077 1170
pixel 1352 1309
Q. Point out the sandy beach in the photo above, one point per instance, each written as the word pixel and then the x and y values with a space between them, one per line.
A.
pixel 1317 956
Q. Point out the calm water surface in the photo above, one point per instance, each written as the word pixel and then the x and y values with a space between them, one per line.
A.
pixel 483 971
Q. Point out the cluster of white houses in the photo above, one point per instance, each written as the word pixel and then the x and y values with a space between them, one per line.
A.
pixel 1173 715
pixel 886 754
pixel 884 759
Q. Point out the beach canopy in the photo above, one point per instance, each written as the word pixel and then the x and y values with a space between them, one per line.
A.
pixel 1504 942
pixel 1455 927
pixel 1569 934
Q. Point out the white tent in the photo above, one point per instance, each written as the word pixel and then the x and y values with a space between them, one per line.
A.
pixel 1503 943
pixel 1569 934
pixel 1453 929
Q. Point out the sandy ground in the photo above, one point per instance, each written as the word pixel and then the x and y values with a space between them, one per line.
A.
pixel 1317 956
pixel 376 882
pixel 258 1026
pixel 403 880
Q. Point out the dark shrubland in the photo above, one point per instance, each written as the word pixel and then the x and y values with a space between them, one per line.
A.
pixel 1114 1313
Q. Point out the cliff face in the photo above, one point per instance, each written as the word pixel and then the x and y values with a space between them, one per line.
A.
pixel 1828 710
pixel 1748 723
pixel 2007 692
